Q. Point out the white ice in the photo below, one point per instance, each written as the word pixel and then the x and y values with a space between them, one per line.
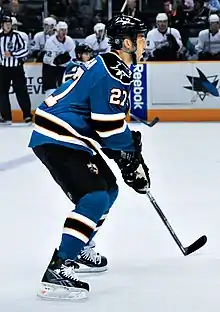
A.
pixel 147 272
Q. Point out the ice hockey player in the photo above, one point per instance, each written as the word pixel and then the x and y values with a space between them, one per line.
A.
pixel 163 43
pixel 85 114
pixel 83 54
pixel 60 49
pixel 40 38
pixel 208 46
pixel 98 41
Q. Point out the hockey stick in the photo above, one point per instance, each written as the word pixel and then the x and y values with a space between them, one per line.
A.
pixel 124 6
pixel 185 250
pixel 149 124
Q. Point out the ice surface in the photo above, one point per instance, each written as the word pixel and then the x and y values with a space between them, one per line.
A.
pixel 147 271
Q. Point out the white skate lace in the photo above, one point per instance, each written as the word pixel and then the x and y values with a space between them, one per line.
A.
pixel 89 254
pixel 69 272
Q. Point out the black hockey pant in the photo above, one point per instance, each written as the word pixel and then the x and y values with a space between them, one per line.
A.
pixel 77 172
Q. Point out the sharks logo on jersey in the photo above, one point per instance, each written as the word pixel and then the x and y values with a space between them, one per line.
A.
pixel 117 68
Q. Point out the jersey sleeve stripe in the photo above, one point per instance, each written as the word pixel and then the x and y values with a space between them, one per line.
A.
pixel 103 126
pixel 108 117
pixel 112 132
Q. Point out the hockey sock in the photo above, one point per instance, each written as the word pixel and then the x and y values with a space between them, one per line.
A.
pixel 113 194
pixel 81 223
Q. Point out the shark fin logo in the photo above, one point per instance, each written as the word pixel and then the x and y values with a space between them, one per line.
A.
pixel 204 85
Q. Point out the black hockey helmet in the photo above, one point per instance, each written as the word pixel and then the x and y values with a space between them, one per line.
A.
pixel 6 19
pixel 124 26
pixel 82 48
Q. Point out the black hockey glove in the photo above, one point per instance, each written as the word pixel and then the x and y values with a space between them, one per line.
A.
pixel 172 42
pixel 62 58
pixel 133 169
pixel 136 174
pixel 38 55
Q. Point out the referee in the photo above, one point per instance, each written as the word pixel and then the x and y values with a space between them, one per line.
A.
pixel 13 49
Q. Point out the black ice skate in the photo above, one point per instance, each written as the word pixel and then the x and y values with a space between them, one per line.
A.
pixel 4 122
pixel 89 261
pixel 60 281
pixel 28 120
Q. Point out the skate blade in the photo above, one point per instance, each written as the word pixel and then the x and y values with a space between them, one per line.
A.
pixel 57 292
pixel 22 124
pixel 86 269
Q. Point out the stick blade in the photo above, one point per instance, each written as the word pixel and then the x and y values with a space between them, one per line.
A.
pixel 154 121
pixel 196 245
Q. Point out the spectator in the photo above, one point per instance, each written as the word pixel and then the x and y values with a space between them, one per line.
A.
pixel 163 43
pixel 208 47
pixel 202 10
pixel 179 16
pixel 14 8
pixel 213 5
pixel 131 7
pixel 189 4
pixel 168 7
pixel 1 11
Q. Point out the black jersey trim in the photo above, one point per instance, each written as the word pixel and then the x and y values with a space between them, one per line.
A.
pixel 58 129
pixel 116 68
pixel 79 227
pixel 103 126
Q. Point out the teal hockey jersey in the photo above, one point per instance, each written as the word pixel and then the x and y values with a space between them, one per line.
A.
pixel 88 111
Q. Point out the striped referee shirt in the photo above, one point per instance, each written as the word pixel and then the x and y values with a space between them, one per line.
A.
pixel 15 44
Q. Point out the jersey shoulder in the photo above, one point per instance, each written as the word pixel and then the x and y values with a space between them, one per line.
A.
pixel 53 38
pixel 23 34
pixel 90 37
pixel 152 32
pixel 39 34
pixel 204 32
pixel 52 41
pixel 173 31
pixel 70 40
pixel 116 68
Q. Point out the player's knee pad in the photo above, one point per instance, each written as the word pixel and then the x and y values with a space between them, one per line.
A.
pixel 93 205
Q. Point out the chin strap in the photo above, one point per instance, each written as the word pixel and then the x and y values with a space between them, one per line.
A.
pixel 133 54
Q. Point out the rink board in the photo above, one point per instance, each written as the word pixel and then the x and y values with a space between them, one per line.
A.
pixel 172 91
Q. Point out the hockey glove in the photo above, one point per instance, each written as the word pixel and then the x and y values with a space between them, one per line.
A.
pixel 173 43
pixel 136 174
pixel 133 169
pixel 38 55
pixel 62 59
